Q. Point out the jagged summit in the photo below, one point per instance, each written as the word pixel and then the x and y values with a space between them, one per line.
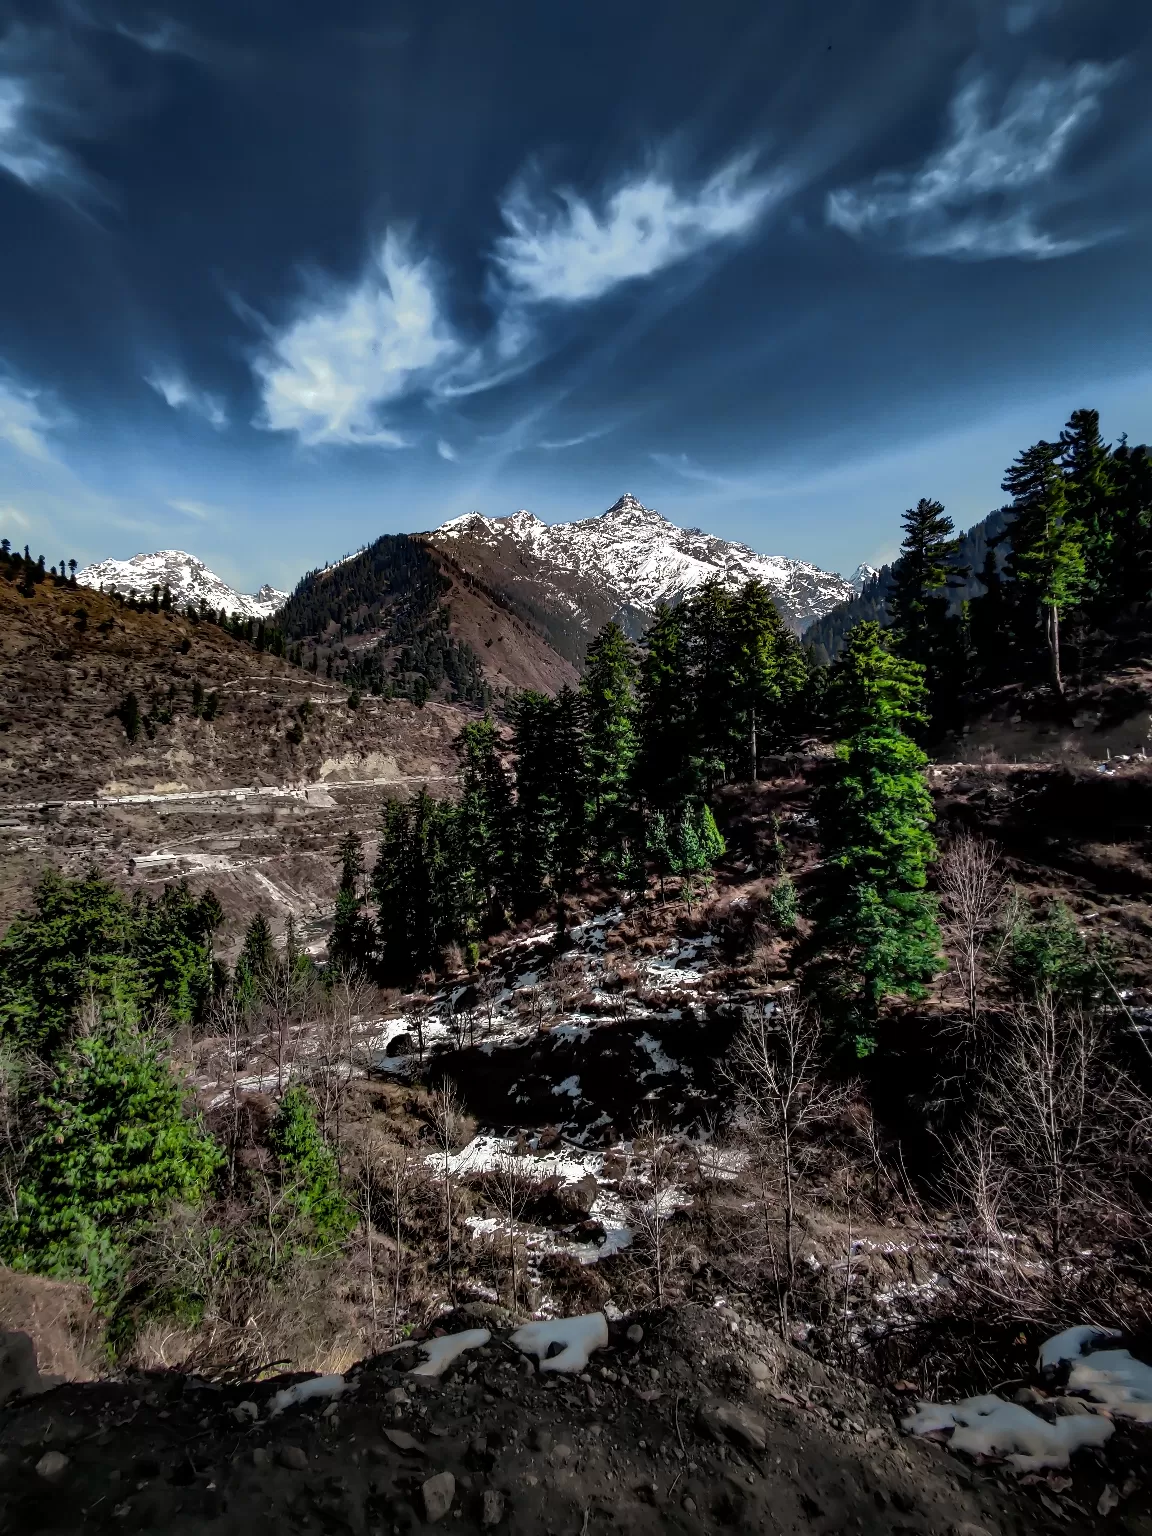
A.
pixel 187 578
pixel 631 558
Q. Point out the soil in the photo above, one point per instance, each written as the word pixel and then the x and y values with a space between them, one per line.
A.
pixel 704 1424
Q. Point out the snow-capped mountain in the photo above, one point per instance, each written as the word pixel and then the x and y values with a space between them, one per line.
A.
pixel 861 576
pixel 631 558
pixel 187 578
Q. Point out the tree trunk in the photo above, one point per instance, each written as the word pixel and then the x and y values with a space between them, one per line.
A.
pixel 1054 647
pixel 755 755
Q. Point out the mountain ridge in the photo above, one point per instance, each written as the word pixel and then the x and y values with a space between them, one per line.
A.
pixel 628 560
pixel 188 579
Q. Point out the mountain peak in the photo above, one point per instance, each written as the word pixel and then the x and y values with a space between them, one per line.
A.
pixel 629 503
pixel 187 578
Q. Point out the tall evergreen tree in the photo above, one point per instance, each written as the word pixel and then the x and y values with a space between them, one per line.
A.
pixel 665 773
pixel 1047 541
pixel 350 945
pixel 768 675
pixel 708 617
pixel 918 598
pixel 486 827
pixel 610 742
pixel 420 885
pixel 875 919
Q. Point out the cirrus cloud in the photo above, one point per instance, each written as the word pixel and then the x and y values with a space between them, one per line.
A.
pixel 559 249
pixel 983 193
pixel 353 350
pixel 177 392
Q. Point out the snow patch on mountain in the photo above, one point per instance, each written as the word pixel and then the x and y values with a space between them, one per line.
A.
pixel 187 578
pixel 638 558
pixel 861 576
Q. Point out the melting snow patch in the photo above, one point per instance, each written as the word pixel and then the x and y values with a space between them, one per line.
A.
pixel 440 1353
pixel 316 1386
pixel 570 1086
pixel 988 1426
pixel 1112 1377
pixel 578 1336
pixel 1069 1345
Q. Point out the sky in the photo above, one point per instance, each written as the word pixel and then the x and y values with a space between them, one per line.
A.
pixel 276 278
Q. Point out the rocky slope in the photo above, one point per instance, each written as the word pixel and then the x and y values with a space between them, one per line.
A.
pixel 188 579
pixel 250 797
pixel 572 576
pixel 687 1421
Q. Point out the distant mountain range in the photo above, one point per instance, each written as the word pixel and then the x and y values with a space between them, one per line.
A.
pixel 521 597
pixel 187 578
pixel 571 577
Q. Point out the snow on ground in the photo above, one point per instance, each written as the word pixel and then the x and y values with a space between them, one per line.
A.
pixel 989 1426
pixel 578 1336
pixel 440 1353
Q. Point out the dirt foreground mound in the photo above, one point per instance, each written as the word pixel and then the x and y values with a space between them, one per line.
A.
pixel 690 1420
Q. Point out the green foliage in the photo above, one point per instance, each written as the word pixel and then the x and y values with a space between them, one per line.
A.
pixel 82 939
pixel 309 1171
pixel 1051 956
pixel 609 741
pixel 115 1147
pixel 784 904
pixel 874 915
pixel 352 940
pixel 486 820
pixel 925 631
pixel 424 885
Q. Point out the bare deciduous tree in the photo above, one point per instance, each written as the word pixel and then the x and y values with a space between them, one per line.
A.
pixel 973 888
pixel 512 1189
pixel 653 1196
pixel 447 1114
pixel 775 1066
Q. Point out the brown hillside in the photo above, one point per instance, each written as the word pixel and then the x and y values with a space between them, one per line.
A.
pixel 62 681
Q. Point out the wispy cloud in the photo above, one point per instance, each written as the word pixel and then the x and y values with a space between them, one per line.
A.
pixel 351 351
pixel 1024 14
pixel 446 451
pixel 983 193
pixel 176 391
pixel 574 442
pixel 559 249
pixel 680 464
pixel 197 509
pixel 23 423
pixel 12 517
pixel 26 152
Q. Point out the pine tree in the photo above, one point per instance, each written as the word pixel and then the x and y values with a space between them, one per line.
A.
pixel 115 1148
pixel 1085 460
pixel 664 772
pixel 310 1172
pixel 534 743
pixel 486 822
pixel 1047 541
pixel 875 920
pixel 708 619
pixel 918 598
pixel 610 741
pixel 258 955
pixel 768 675
pixel 568 794
pixel 350 945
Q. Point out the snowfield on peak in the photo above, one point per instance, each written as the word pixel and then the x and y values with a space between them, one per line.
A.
pixel 187 578
pixel 638 559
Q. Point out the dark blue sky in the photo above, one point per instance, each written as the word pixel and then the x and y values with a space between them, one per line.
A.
pixel 278 277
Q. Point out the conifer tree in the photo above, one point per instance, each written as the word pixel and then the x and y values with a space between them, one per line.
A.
pixel 1047 541
pixel 115 1149
pixel 534 743
pixel 310 1172
pixel 569 790
pixel 610 741
pixel 258 956
pixel 768 674
pixel 875 920
pixel 664 774
pixel 486 823
pixel 708 618
pixel 918 598
pixel 351 942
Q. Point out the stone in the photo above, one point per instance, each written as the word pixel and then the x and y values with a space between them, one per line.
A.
pixel 246 1413
pixel 758 1370
pixel 635 1334
pixel 18 1372
pixel 260 1457
pixel 438 1493
pixel 724 1420
pixel 293 1457
pixel 1028 1397
pixel 1071 1407
pixel 689 1505
pixel 540 1439
pixel 966 1528
pixel 403 1441
pixel 396 1397
pixel 491 1507
pixel 561 1454
pixel 52 1464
